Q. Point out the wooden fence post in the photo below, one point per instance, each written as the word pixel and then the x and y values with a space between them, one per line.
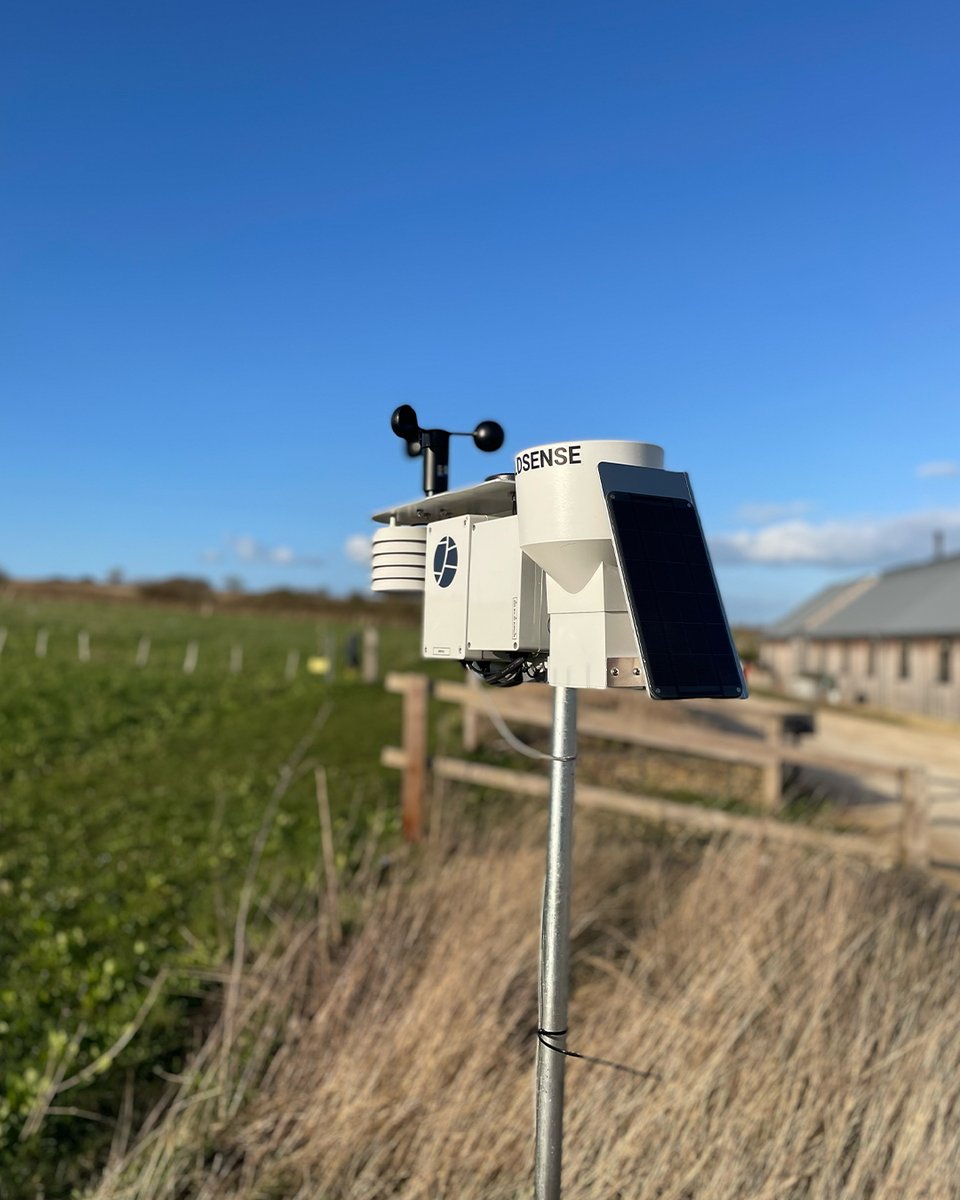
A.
pixel 415 716
pixel 915 819
pixel 771 795
pixel 470 716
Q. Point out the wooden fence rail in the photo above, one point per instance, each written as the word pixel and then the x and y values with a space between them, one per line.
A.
pixel 771 755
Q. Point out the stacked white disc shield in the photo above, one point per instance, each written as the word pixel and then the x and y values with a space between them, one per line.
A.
pixel 399 558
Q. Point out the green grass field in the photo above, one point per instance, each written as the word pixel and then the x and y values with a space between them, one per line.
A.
pixel 130 799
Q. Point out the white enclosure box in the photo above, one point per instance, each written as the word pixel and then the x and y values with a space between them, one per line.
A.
pixel 507 609
pixel 446 587
pixel 592 641
pixel 483 598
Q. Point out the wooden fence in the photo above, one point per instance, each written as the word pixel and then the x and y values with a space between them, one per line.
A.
pixel 529 705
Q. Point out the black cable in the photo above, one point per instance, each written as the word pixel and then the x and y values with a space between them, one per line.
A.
pixel 543 1034
pixel 508 675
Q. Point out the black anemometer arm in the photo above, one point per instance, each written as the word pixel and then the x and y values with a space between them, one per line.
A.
pixel 434 445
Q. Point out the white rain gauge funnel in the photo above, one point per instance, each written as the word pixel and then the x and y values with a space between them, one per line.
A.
pixel 564 525
pixel 565 528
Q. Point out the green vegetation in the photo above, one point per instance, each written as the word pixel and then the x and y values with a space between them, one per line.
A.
pixel 130 798
pixel 132 803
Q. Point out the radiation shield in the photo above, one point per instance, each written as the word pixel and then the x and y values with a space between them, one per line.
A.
pixel 686 646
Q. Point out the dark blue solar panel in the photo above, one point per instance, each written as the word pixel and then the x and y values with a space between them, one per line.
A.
pixel 684 638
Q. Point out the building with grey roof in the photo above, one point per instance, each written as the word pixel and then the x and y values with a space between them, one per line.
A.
pixel 890 640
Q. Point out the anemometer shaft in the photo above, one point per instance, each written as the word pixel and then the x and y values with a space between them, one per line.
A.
pixel 435 448
pixel 555 948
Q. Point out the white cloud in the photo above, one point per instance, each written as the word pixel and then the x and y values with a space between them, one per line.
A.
pixel 357 548
pixel 249 550
pixel 245 548
pixel 760 514
pixel 942 468
pixel 871 541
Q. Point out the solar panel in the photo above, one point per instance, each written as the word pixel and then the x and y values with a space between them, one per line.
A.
pixel 684 638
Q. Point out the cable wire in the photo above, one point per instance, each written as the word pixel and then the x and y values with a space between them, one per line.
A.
pixel 512 740
pixel 543 1034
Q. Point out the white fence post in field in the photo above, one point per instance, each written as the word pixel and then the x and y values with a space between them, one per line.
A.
pixel 331 655
pixel 293 665
pixel 143 652
pixel 3 637
pixel 41 646
pixel 190 658
pixel 370 671
pixel 83 646
pixel 236 660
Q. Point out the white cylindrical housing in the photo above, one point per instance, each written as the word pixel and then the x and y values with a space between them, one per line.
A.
pixel 398 563
pixel 561 508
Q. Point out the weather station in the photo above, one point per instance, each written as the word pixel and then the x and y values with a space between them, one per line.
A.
pixel 584 567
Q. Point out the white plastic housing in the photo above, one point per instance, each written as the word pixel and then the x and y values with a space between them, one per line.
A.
pixel 564 527
pixel 398 561
pixel 446 588
pixel 508 600
pixel 483 598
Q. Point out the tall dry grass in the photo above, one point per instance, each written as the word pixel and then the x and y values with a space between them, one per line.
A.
pixel 802 1014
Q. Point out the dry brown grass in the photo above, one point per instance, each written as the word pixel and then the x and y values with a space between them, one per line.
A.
pixel 802 1014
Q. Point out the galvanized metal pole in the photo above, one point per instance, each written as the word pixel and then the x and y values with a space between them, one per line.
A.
pixel 555 949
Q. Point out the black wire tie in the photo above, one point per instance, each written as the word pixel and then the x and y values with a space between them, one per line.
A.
pixel 543 1034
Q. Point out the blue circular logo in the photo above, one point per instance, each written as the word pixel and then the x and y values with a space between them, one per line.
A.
pixel 445 561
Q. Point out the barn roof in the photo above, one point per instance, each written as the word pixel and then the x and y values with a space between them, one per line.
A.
pixel 913 601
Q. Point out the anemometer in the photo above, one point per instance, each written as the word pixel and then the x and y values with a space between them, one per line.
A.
pixel 433 445
pixel 584 566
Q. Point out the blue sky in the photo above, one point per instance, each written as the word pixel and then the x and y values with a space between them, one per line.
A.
pixel 234 236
